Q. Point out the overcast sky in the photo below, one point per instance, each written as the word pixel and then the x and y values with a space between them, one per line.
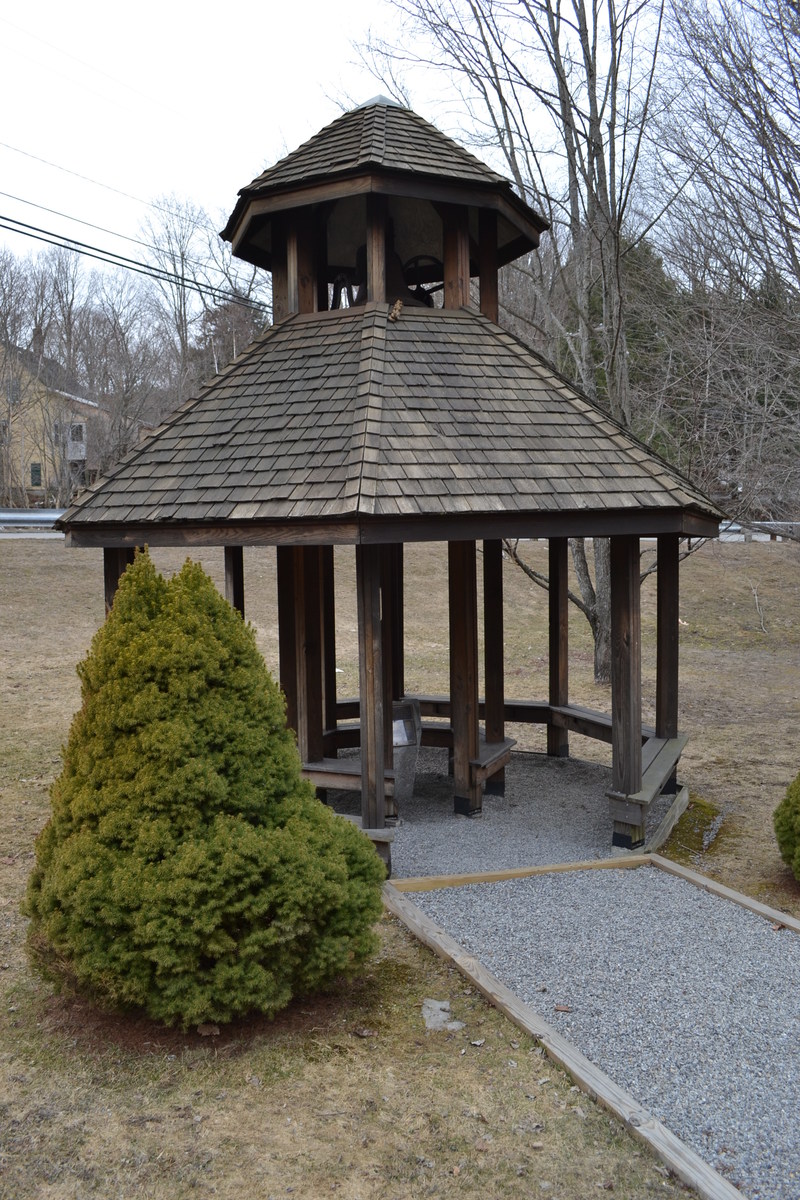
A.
pixel 162 97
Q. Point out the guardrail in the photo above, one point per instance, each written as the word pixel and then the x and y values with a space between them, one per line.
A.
pixel 29 518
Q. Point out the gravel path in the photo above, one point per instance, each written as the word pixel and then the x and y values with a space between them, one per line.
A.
pixel 688 1001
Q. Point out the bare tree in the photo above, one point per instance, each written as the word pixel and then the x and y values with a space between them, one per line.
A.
pixel 564 91
pixel 734 124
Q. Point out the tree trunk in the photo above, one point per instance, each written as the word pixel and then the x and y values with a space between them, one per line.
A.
pixel 602 625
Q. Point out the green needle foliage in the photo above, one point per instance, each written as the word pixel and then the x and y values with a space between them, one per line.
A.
pixel 188 869
pixel 787 827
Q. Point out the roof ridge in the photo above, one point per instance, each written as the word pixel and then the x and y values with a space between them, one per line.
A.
pixel 370 386
pixel 372 145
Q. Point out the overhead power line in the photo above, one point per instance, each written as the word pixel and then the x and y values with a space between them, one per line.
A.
pixel 159 274
pixel 125 237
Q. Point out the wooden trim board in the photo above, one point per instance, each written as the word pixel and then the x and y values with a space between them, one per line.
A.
pixel 432 883
pixel 719 889
pixel 686 1164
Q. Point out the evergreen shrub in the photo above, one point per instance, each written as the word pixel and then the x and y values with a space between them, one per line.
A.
pixel 188 869
pixel 787 827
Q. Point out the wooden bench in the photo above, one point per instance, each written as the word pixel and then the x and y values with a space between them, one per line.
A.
pixel 629 812
pixel 342 773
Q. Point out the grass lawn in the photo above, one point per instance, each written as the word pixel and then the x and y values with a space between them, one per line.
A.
pixel 349 1095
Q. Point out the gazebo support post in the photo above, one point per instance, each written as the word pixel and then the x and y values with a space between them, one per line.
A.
pixel 308 652
pixel 328 625
pixel 287 652
pixel 395 611
pixel 667 598
pixel 370 668
pixel 558 603
pixel 234 577
pixel 493 669
pixel 463 600
pixel 115 560
pixel 626 684
pixel 388 621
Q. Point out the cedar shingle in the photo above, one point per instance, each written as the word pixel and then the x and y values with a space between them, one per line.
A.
pixel 331 416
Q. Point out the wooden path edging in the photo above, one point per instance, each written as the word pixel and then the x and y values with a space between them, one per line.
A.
pixel 432 883
pixel 687 1165
pixel 719 889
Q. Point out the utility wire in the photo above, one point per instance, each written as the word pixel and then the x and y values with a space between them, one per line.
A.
pixel 100 228
pixel 160 274
pixel 162 208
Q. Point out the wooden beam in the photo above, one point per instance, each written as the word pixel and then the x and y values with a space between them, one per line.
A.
pixel 455 229
pixel 487 263
pixel 493 654
pixel 287 634
pixel 115 560
pixel 626 680
pixel 234 577
pixel 349 530
pixel 558 665
pixel 463 602
pixel 376 248
pixel 667 636
pixel 368 589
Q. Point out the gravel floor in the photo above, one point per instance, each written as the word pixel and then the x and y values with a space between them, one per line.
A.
pixel 688 1001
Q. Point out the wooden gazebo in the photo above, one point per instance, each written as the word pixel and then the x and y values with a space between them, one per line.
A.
pixel 366 417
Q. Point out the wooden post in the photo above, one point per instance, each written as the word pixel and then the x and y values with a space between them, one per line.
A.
pixel 308 647
pixel 463 598
pixel 280 280
pixel 626 681
pixel 395 617
pixel 234 577
pixel 115 560
pixel 667 636
pixel 387 622
pixel 376 248
pixel 493 659
pixel 286 631
pixel 328 626
pixel 368 588
pixel 487 264
pixel 558 604
pixel 321 258
pixel 456 255
pixel 301 283
pixel 667 599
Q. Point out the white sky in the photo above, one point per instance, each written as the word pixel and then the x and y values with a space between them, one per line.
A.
pixel 161 97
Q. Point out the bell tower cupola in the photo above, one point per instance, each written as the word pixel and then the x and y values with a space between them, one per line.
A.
pixel 380 206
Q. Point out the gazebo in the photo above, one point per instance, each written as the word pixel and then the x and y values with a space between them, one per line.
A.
pixel 368 416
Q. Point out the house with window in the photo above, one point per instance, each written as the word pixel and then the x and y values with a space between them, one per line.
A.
pixel 50 430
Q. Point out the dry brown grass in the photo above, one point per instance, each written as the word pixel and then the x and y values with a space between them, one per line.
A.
pixel 97 1105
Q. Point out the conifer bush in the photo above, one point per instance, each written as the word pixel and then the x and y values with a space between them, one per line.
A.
pixel 188 869
pixel 787 827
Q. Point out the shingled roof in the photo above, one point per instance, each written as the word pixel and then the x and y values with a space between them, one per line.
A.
pixel 349 416
pixel 379 135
